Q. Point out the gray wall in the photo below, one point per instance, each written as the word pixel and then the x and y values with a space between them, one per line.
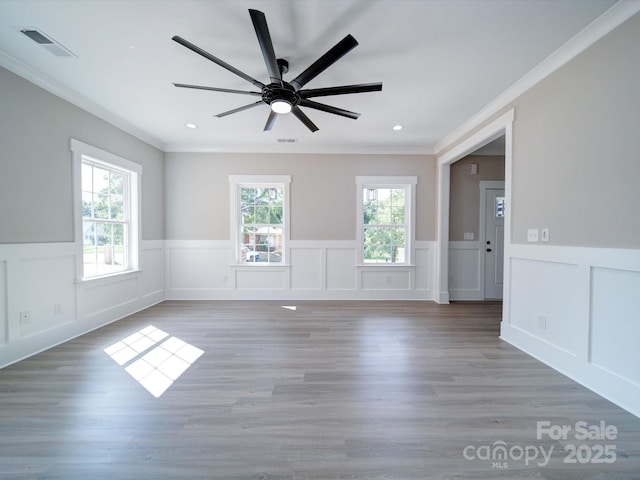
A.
pixel 464 202
pixel 36 189
pixel 575 148
pixel 323 191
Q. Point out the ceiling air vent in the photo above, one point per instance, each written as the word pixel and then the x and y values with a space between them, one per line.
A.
pixel 46 42
pixel 287 140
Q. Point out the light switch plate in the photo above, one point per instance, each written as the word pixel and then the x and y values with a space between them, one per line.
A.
pixel 545 234
pixel 532 235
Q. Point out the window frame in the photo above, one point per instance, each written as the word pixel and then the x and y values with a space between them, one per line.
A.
pixel 408 183
pixel 236 182
pixel 132 201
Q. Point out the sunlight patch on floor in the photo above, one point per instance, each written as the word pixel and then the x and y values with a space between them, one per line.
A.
pixel 153 364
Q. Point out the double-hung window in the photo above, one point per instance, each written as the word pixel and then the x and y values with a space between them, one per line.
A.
pixel 386 219
pixel 107 227
pixel 259 218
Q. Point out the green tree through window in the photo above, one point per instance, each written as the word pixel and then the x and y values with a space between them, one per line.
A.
pixel 261 227
pixel 384 224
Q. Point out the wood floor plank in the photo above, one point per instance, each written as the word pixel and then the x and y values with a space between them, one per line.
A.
pixel 330 390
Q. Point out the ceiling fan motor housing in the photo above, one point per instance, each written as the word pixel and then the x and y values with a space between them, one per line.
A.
pixel 285 92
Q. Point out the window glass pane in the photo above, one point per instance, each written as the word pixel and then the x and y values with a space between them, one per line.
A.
pixel 100 180
pixel 384 214
pixel 106 228
pixel 275 215
pixel 248 214
pixel 87 203
pixel 88 234
pixel 116 207
pixel 87 178
pixel 261 230
pixel 262 214
pixel 499 207
pixel 101 205
pixel 369 212
pixel 116 183
pixel 397 215
pixel 397 197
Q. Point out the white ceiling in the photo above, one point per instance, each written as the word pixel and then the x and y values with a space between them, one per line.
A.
pixel 440 62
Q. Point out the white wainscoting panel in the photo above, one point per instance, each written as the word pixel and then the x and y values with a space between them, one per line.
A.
pixel 316 270
pixel 3 302
pixel 40 279
pixel 545 299
pixel 464 271
pixel 49 282
pixel 261 278
pixel 341 274
pixel 386 278
pixel 589 300
pixel 306 268
pixel 152 277
pixel 424 274
pixel 615 322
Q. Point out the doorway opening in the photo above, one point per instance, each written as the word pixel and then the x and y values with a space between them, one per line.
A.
pixel 476 224
pixel 499 127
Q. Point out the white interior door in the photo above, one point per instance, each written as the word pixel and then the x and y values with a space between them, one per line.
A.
pixel 494 243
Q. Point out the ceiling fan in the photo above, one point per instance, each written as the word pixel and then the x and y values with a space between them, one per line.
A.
pixel 284 97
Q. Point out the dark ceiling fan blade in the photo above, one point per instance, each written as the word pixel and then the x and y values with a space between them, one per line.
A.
pixel 270 121
pixel 343 90
pixel 340 49
pixel 266 45
pixel 328 108
pixel 215 89
pixel 239 109
pixel 304 119
pixel 216 60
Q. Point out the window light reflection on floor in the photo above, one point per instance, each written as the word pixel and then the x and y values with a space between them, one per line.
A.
pixel 155 366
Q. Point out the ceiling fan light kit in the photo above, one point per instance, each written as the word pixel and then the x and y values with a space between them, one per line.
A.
pixel 284 97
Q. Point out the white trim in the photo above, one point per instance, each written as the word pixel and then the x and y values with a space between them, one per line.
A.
pixel 59 90
pixel 259 179
pixel 571 306
pixel 387 180
pixel 408 183
pixel 605 23
pixel 134 172
pixel 482 236
pixel 502 125
pixel 236 181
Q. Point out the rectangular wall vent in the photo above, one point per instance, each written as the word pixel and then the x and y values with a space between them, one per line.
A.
pixel 46 42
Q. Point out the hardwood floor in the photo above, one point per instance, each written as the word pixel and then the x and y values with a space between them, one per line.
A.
pixel 330 390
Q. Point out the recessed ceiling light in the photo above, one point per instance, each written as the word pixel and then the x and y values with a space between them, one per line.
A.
pixel 397 127
pixel 191 125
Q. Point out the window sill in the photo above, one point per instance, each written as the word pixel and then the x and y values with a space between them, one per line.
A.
pixel 398 266
pixel 110 278
pixel 259 265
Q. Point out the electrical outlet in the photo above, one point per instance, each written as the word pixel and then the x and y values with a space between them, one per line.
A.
pixel 388 279
pixel 542 321
pixel 25 317
pixel 532 235
pixel 57 309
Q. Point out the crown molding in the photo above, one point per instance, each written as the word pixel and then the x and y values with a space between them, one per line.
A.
pixel 605 23
pixel 55 88
pixel 305 149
